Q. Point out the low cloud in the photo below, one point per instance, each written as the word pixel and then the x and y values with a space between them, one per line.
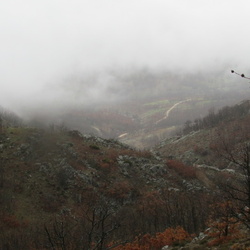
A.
pixel 48 47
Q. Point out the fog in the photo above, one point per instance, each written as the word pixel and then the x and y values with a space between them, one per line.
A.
pixel 48 47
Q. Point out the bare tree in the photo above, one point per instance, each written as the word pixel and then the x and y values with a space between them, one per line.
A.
pixel 233 145
pixel 99 224
pixel 60 234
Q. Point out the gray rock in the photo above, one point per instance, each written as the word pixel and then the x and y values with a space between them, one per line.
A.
pixel 165 247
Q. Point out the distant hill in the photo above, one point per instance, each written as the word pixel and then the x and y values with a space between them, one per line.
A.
pixel 134 103
pixel 9 118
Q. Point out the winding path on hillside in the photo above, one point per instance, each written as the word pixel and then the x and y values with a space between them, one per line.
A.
pixel 170 109
pixel 164 118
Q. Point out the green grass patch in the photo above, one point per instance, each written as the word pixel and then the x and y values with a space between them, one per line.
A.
pixel 157 103
pixel 153 112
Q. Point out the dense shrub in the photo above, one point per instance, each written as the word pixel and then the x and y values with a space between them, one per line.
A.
pixel 146 242
pixel 182 169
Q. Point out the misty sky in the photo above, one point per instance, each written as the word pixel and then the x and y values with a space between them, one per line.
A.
pixel 45 42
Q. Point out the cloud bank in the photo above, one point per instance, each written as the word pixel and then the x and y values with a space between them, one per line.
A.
pixel 45 42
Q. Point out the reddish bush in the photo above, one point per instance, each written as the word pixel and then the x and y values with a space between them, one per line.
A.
pixel 107 167
pixel 12 222
pixel 146 242
pixel 223 227
pixel 119 191
pixel 182 169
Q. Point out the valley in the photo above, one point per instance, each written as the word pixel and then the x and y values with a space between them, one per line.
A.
pixel 137 103
pixel 124 125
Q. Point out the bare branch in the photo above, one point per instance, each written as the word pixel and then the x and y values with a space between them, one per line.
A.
pixel 242 75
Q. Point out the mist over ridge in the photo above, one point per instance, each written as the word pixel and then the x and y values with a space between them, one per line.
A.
pixel 59 58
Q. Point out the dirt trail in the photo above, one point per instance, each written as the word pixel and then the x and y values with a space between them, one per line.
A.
pixel 165 117
pixel 122 135
pixel 170 109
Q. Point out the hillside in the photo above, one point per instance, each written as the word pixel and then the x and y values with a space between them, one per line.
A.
pixel 60 189
pixel 199 140
pixel 45 174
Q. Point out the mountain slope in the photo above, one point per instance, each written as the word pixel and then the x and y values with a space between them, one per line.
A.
pixel 65 190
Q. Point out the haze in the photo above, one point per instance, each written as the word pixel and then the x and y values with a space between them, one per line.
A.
pixel 48 46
